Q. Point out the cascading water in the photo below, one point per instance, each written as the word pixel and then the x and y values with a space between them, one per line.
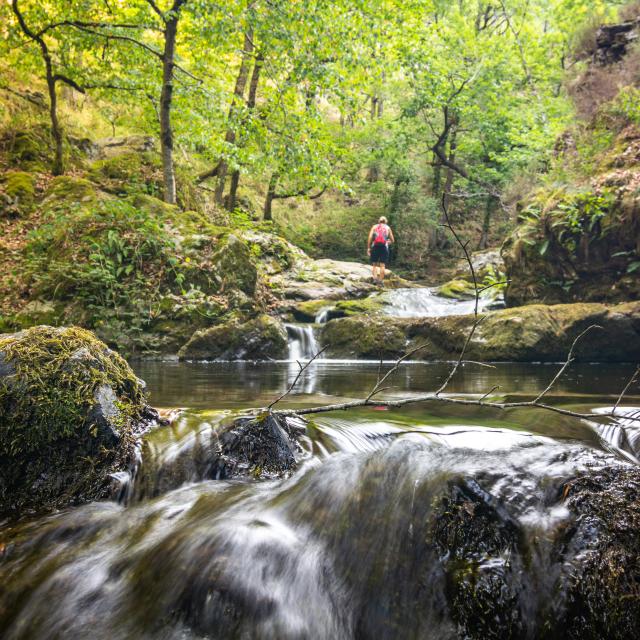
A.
pixel 302 342
pixel 424 302
pixel 414 523
pixel 389 532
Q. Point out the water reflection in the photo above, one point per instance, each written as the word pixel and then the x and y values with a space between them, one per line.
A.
pixel 227 385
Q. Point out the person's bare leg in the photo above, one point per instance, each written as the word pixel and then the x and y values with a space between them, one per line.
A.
pixel 382 272
pixel 373 270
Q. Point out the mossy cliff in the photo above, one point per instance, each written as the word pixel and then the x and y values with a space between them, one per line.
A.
pixel 578 233
pixel 526 334
pixel 70 409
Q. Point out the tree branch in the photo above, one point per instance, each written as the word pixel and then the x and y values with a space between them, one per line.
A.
pixel 295 381
pixel 59 77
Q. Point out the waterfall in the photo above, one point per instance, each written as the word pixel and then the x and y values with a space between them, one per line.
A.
pixel 323 316
pixel 302 342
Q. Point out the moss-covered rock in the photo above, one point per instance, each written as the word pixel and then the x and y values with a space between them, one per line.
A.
pixel 37 312
pixel 69 411
pixel 308 310
pixel 30 149
pixel 363 337
pixel 458 289
pixel 263 338
pixel 235 266
pixel 70 190
pixel 524 334
pixel 20 187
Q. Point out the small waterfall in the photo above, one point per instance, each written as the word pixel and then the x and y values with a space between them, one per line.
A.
pixel 424 302
pixel 302 342
pixel 323 316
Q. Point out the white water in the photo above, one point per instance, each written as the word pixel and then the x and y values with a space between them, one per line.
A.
pixel 302 342
pixel 424 302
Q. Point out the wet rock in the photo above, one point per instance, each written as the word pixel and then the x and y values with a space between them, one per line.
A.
pixel 602 554
pixel 259 447
pixel 70 409
pixel 523 334
pixel 263 338
pixel 364 337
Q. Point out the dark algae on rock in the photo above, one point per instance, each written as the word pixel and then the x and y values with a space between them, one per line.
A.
pixel 70 409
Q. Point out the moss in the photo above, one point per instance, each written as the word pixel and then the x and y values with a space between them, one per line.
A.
pixel 235 266
pixel 29 149
pixel 37 312
pixel 367 306
pixel 120 167
pixel 45 391
pixel 262 338
pixel 457 289
pixel 308 310
pixel 20 187
pixel 364 338
pixel 72 190
pixel 154 206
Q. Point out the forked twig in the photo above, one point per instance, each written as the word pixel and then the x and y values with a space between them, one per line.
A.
pixel 567 362
pixel 623 393
pixel 378 387
pixel 302 369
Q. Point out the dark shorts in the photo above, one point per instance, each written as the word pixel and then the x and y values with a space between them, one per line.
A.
pixel 380 253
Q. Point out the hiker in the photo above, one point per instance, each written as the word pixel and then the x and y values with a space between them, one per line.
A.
pixel 380 237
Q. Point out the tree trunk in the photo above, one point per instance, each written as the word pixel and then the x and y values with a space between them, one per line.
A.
pixel 271 192
pixel 442 239
pixel 166 97
pixel 486 223
pixel 251 103
pixel 238 95
pixel 448 183
pixel 56 131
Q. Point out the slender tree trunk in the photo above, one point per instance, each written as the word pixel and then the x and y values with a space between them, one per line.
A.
pixel 238 96
pixel 166 98
pixel 251 103
pixel 486 223
pixel 442 239
pixel 56 130
pixel 448 183
pixel 271 192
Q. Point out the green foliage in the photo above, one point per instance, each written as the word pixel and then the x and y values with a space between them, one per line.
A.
pixel 47 396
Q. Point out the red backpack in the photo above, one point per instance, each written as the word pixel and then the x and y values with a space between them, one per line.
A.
pixel 380 234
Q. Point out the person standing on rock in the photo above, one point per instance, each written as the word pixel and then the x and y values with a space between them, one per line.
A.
pixel 380 238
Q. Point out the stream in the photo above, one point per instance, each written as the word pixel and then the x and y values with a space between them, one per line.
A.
pixel 347 547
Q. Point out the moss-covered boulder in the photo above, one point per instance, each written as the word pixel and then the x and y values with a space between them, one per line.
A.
pixel 20 190
pixel 524 334
pixel 363 337
pixel 70 409
pixel 235 266
pixel 262 338
pixel 458 289
pixel 68 190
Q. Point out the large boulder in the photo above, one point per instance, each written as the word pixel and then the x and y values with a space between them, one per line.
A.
pixel 262 338
pixel 523 334
pixel 364 337
pixel 70 409
pixel 235 265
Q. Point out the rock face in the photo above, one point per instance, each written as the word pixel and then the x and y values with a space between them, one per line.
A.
pixel 69 411
pixel 263 338
pixel 523 334
pixel 261 447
